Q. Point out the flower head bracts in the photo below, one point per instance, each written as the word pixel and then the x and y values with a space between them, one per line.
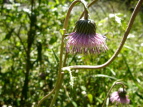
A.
pixel 85 39
pixel 85 26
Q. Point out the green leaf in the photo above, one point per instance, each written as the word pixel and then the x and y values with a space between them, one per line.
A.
pixel 9 34
pixel 74 104
pixel 56 57
pixel 53 40
pixel 90 97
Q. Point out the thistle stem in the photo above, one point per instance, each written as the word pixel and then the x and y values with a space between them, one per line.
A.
pixel 90 4
pixel 58 87
pixel 45 97
pixel 114 84
pixel 133 16
pixel 85 13
pixel 61 63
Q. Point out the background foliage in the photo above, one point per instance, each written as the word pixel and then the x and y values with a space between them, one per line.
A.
pixel 30 34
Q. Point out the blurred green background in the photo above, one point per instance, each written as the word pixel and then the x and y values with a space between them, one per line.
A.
pixel 30 35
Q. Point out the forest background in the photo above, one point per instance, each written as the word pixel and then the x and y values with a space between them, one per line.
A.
pixel 30 37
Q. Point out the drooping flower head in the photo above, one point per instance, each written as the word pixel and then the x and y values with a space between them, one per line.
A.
pixel 119 97
pixel 85 39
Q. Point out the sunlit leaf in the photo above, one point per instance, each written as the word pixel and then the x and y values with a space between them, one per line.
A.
pixel 90 97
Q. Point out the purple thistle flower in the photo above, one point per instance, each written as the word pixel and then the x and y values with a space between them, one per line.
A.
pixel 119 97
pixel 85 39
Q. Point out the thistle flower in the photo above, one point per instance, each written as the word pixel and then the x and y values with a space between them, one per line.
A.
pixel 119 97
pixel 85 39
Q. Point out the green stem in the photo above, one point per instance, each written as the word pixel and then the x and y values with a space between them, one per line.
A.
pixel 58 88
pixel 62 48
pixel 69 11
pixel 45 97
pixel 85 14
pixel 61 63
pixel 65 58
pixel 90 4
pixel 114 84
pixel 134 14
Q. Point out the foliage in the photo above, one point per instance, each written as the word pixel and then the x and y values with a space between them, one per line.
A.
pixel 29 54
